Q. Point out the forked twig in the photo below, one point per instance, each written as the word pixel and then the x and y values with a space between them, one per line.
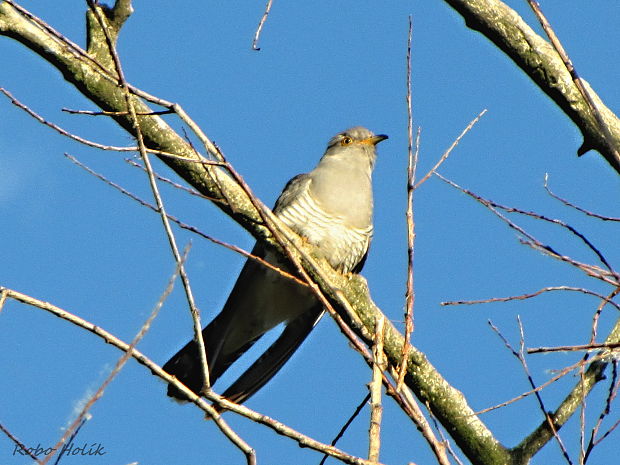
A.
pixel 82 140
pixel 614 385
pixel 521 357
pixel 577 207
pixel 610 276
pixel 447 153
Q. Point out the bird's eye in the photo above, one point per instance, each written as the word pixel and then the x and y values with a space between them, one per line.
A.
pixel 346 141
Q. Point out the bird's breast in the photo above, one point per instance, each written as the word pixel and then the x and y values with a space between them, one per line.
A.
pixel 343 245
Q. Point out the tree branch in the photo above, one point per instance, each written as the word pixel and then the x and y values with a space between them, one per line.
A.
pixel 94 76
pixel 541 435
pixel 540 61
pixel 100 84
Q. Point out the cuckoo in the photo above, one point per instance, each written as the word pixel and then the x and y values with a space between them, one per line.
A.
pixel 331 208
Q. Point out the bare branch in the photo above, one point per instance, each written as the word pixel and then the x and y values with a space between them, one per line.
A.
pixel 376 407
pixel 279 428
pixel 579 83
pixel 412 164
pixel 539 60
pixel 447 153
pixel 549 420
pixel 260 25
pixel 534 294
pixel 13 438
pixel 576 207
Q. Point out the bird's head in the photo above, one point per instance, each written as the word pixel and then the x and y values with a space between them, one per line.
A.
pixel 355 142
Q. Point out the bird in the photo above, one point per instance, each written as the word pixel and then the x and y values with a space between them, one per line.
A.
pixel 330 207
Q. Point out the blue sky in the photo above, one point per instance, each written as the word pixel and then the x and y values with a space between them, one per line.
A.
pixel 69 239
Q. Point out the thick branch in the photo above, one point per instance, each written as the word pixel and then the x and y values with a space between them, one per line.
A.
pixel 537 58
pixel 447 403
pixel 539 437
pixel 100 85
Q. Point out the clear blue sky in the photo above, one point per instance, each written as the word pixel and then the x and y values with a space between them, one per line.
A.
pixel 69 239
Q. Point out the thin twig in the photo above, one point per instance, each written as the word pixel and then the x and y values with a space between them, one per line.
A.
pixel 60 130
pixel 114 113
pixel 18 444
pixel 412 164
pixel 614 384
pixel 346 425
pixel 186 226
pixel 531 295
pixel 260 25
pixel 447 153
pixel 72 437
pixel 176 185
pixel 575 348
pixel 415 413
pixel 558 376
pixel 82 140
pixel 609 276
pixel 444 441
pixel 521 357
pixel 599 311
pixel 577 207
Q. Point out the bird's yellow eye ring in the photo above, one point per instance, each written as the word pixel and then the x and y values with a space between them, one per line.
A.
pixel 346 141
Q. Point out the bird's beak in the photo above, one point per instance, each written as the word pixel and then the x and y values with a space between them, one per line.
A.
pixel 374 140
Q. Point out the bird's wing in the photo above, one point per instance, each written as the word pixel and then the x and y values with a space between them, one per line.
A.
pixel 291 191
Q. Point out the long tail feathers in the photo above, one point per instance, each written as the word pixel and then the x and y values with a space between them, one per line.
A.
pixel 268 364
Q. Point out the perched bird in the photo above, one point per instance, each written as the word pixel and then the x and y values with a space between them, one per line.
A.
pixel 331 208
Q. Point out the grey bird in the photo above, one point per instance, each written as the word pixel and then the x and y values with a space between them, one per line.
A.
pixel 331 208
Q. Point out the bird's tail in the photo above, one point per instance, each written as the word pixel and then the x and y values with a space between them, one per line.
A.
pixel 185 365
pixel 268 364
